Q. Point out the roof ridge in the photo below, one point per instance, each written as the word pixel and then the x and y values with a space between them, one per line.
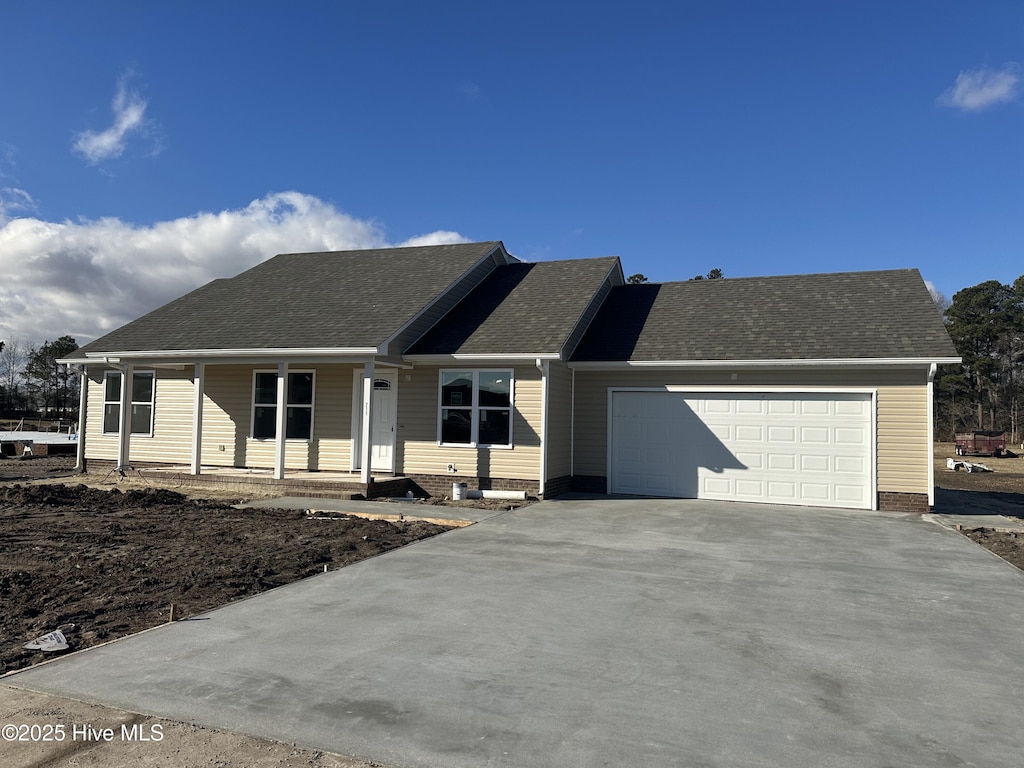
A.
pixel 851 273
pixel 490 243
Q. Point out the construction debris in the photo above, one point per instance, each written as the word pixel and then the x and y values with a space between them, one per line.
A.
pixel 957 464
pixel 51 641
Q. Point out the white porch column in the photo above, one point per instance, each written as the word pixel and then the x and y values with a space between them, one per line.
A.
pixel 124 424
pixel 545 384
pixel 83 410
pixel 366 438
pixel 282 419
pixel 197 417
pixel 931 434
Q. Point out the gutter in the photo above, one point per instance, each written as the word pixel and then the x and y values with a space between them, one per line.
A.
pixel 482 357
pixel 608 365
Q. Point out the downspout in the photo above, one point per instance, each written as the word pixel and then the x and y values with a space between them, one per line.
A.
pixel 572 429
pixel 931 435
pixel 545 382
pixel 83 407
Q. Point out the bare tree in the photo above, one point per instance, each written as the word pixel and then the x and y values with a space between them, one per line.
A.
pixel 942 303
pixel 12 363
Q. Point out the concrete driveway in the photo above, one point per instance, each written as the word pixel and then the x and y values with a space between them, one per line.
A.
pixel 612 633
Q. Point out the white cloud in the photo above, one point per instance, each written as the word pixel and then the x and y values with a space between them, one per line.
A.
pixel 978 89
pixel 14 200
pixel 84 278
pixel 441 237
pixel 129 117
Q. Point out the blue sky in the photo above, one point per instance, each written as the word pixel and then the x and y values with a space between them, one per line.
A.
pixel 145 150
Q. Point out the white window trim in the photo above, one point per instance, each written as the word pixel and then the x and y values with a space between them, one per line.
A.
pixel 475 408
pixel 311 406
pixel 151 402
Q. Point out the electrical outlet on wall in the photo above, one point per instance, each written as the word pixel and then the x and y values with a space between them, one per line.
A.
pixel 451 468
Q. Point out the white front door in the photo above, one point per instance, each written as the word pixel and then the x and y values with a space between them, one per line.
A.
pixel 385 411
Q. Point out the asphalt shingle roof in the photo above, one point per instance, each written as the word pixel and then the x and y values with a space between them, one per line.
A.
pixel 332 300
pixel 850 315
pixel 519 309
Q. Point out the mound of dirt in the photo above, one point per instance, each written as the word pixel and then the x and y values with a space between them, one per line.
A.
pixel 112 563
pixel 1008 545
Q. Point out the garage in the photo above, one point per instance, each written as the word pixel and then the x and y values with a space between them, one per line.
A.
pixel 808 448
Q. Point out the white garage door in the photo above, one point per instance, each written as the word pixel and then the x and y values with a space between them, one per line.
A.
pixel 781 448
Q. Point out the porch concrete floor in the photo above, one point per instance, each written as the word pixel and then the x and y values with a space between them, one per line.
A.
pixel 241 472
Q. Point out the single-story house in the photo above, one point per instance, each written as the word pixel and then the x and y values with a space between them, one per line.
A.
pixel 461 362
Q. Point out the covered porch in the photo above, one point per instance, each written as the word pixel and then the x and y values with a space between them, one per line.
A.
pixel 310 419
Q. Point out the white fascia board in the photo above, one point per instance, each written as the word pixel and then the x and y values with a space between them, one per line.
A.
pixel 618 365
pixel 82 362
pixel 471 358
pixel 231 355
pixel 731 388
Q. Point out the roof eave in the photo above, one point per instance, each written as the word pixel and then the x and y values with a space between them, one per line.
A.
pixel 458 357
pixel 220 354
pixel 778 363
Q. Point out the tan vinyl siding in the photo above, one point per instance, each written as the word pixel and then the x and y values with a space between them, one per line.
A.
pixel 332 424
pixel 172 420
pixel 523 460
pixel 902 416
pixel 418 451
pixel 442 306
pixel 227 417
pixel 559 420
pixel 97 445
pixel 903 438
pixel 227 413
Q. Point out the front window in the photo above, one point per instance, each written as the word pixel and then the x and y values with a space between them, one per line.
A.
pixel 143 394
pixel 476 408
pixel 298 402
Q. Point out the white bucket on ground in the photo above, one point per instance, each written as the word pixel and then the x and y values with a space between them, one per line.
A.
pixel 458 491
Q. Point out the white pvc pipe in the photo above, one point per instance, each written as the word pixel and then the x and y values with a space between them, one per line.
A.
pixel 517 495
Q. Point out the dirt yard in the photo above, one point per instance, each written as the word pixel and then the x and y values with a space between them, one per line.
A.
pixel 999 492
pixel 113 562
